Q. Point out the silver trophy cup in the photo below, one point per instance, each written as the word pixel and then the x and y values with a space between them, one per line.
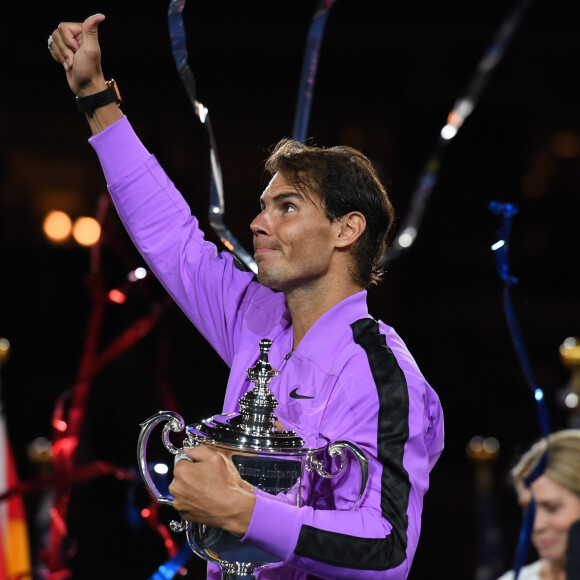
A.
pixel 275 461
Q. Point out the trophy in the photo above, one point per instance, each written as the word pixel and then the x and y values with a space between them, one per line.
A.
pixel 275 461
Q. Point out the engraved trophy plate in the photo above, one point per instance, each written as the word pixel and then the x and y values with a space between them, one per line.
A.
pixel 274 461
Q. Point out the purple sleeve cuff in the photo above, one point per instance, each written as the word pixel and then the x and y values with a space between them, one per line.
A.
pixel 119 150
pixel 274 526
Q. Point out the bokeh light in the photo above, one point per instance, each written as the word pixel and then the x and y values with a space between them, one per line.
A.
pixel 86 231
pixel 117 296
pixel 137 274
pixel 57 226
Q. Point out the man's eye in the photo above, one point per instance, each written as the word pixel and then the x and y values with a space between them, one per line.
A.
pixel 288 207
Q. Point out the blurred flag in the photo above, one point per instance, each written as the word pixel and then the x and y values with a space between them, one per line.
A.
pixel 15 562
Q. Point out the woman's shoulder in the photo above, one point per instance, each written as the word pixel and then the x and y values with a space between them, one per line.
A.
pixel 529 572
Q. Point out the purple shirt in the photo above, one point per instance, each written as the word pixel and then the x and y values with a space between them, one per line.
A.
pixel 365 386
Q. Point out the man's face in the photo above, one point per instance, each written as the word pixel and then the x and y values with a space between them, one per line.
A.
pixel 293 238
pixel 557 508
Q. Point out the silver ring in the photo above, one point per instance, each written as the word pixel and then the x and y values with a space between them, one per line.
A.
pixel 50 41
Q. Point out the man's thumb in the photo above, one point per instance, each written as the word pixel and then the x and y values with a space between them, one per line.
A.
pixel 91 28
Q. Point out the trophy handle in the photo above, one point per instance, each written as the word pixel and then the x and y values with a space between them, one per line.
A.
pixel 337 448
pixel 175 423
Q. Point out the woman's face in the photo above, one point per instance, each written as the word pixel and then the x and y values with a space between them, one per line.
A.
pixel 557 508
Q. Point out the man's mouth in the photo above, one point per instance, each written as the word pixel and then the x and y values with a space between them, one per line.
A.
pixel 263 250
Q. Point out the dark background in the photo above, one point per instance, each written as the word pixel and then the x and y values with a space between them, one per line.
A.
pixel 389 73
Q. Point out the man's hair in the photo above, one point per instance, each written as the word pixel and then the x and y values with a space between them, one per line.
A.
pixel 345 181
pixel 563 459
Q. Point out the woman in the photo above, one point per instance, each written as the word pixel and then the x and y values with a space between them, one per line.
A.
pixel 557 496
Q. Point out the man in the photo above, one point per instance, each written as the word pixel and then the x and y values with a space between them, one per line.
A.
pixel 323 227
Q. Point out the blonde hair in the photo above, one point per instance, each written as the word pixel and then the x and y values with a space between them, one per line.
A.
pixel 563 459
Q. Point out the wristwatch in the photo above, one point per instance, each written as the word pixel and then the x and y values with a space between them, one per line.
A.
pixel 110 95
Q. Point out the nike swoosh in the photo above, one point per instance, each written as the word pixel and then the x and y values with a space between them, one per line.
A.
pixel 294 394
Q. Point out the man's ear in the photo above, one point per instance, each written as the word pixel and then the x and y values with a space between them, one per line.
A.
pixel 351 227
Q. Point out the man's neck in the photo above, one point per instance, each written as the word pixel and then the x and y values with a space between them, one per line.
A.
pixel 307 305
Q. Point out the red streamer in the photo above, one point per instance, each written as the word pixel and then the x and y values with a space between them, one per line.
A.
pixel 67 425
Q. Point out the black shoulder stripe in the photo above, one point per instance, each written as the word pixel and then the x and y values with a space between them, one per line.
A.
pixel 393 432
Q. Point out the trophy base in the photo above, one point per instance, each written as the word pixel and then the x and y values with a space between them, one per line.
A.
pixel 236 560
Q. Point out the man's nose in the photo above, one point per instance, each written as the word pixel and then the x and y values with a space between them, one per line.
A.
pixel 260 224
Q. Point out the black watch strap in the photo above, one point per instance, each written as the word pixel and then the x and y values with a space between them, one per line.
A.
pixel 109 95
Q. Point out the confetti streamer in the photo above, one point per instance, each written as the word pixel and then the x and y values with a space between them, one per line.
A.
pixel 69 412
pixel 463 107
pixel 217 200
pixel 500 248
pixel 302 115
pixel 309 69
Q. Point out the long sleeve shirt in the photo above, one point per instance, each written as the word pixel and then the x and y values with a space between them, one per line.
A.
pixel 350 378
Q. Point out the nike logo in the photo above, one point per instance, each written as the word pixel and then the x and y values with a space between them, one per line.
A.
pixel 294 394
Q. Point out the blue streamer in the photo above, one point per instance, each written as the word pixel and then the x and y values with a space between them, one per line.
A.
pixel 170 569
pixel 217 199
pixel 309 69
pixel 500 248
pixel 524 538
pixel 507 211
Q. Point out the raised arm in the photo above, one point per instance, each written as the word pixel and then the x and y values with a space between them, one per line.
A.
pixel 75 45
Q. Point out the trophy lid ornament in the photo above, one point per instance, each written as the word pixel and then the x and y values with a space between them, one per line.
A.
pixel 253 428
pixel 257 406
